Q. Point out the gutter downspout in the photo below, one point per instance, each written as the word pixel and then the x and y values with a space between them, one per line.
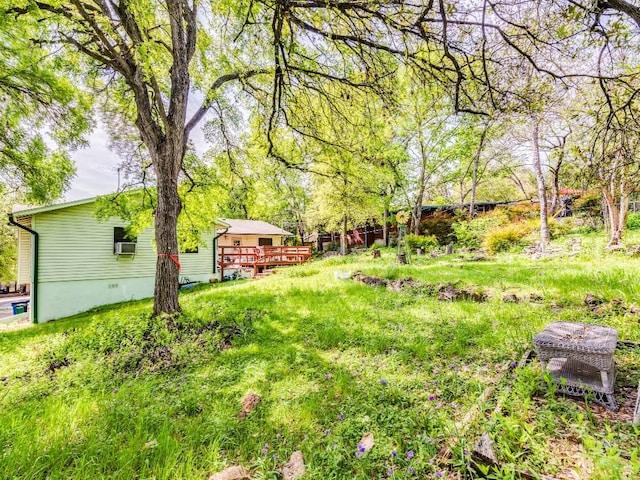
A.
pixel 215 249
pixel 34 292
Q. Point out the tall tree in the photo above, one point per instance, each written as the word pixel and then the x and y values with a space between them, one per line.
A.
pixel 39 106
pixel 146 57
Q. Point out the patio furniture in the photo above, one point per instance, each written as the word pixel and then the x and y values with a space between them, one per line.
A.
pixel 580 359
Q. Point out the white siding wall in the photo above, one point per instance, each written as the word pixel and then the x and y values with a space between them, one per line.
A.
pixel 24 253
pixel 78 270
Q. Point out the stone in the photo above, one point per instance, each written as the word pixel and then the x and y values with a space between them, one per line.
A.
pixel 295 467
pixel 510 298
pixel 236 472
pixel 249 404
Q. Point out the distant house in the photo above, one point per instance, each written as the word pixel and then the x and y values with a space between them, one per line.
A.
pixel 73 262
pixel 251 233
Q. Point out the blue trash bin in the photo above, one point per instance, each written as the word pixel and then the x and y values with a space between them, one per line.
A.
pixel 19 307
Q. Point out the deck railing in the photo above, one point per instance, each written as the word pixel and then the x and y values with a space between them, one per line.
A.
pixel 260 258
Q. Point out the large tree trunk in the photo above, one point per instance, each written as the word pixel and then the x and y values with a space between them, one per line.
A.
pixel 617 212
pixel 166 223
pixel 542 193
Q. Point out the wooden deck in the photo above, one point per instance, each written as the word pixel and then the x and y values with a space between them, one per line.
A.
pixel 260 258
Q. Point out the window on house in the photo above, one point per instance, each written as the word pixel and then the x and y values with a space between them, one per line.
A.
pixel 236 243
pixel 191 250
pixel 265 242
pixel 120 236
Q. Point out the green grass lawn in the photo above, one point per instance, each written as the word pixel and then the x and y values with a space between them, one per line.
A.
pixel 115 394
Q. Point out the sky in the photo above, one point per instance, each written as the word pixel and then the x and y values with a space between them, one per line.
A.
pixel 97 166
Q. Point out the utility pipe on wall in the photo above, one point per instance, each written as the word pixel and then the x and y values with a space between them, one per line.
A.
pixel 34 275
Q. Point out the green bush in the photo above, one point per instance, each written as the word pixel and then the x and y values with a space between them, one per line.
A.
pixel 472 233
pixel 440 226
pixel 633 221
pixel 506 237
pixel 425 241
pixel 556 229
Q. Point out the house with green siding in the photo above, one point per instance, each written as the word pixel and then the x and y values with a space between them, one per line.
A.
pixel 73 262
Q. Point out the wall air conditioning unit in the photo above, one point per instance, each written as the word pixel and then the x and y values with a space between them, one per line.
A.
pixel 125 248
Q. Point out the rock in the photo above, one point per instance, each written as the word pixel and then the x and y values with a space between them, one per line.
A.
pixel 371 281
pixel 295 467
pixel 403 284
pixel 366 443
pixel 232 473
pixel 150 444
pixel 592 301
pixel 449 249
pixel 483 451
pixel 249 404
pixel 510 298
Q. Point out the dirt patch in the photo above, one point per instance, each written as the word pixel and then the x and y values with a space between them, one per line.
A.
pixel 57 364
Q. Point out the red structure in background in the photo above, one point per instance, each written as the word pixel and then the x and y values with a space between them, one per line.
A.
pixel 366 235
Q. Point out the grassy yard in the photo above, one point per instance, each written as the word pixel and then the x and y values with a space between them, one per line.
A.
pixel 114 394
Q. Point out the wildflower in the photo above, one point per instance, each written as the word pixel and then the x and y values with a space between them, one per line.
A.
pixel 361 448
pixel 390 472
pixel 432 398
pixel 327 433
pixel 394 454
pixel 383 382
pixel 410 454
pixel 466 452
pixel 265 449
pixel 513 365
pixel 412 470
pixel 341 416
pixel 327 376
pixel 439 475
pixel 606 445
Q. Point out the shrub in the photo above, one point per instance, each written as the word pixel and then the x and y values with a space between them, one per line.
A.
pixel 440 226
pixel 633 221
pixel 588 205
pixel 556 229
pixel 425 241
pixel 520 211
pixel 471 233
pixel 506 237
